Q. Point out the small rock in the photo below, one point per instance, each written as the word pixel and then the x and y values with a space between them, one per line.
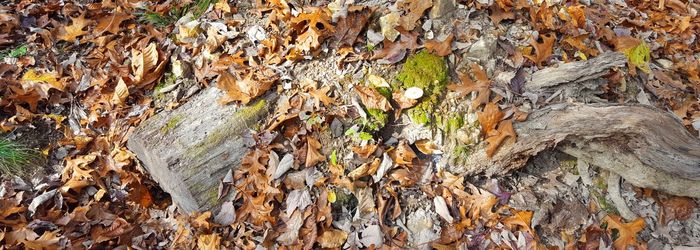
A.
pixel 483 48
pixel 665 63
pixel 413 93
pixel 442 8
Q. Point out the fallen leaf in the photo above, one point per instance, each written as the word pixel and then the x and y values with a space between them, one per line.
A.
pixel 578 15
pixel 226 215
pixel 676 208
pixel 349 27
pixel 209 241
pixel 297 199
pixel 543 50
pixel 72 32
pixel 366 169
pixel 312 155
pixel 489 118
pixel 372 236
pixel 388 24
pixel 48 240
pixel 403 154
pixel 372 99
pixel 505 130
pixel 393 52
pixel 482 86
pixel 520 218
pixel 144 61
pixel 440 48
pixel 627 232
pixel 121 92
pixel 441 209
pixel 384 167
pixel 110 23
pixel 316 25
pixel 413 11
pixel 333 238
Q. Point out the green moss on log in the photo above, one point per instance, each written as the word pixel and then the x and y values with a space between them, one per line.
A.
pixel 429 73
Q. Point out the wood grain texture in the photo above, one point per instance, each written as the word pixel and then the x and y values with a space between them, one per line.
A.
pixel 189 150
pixel 648 147
pixel 574 73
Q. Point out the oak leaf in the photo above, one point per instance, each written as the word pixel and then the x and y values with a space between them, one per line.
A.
pixel 244 90
pixel 349 27
pixel 403 154
pixel 73 31
pixel 627 232
pixel 41 83
pixel 393 52
pixel 543 50
pixel 505 130
pixel 489 118
pixel 315 25
pixel 209 241
pixel 522 218
pixel 467 85
pixel 578 15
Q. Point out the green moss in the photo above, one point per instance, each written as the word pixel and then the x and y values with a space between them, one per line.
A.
pixel 451 123
pixel 429 73
pixel 604 203
pixel 172 123
pixel 244 117
pixel 376 119
pixel 166 81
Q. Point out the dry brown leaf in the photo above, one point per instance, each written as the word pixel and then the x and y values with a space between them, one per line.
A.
pixel 440 48
pixel 467 85
pixel 489 118
pixel 499 14
pixel 676 208
pixel 321 94
pixel 427 147
pixel 366 169
pixel 253 85
pixel 111 23
pixel 312 155
pixel 505 130
pixel 521 218
pixel 316 25
pixel 121 92
pixel 393 52
pixel 48 240
pixel 349 27
pixel 543 50
pixel 73 31
pixel 403 154
pixel 144 61
pixel 413 12
pixel 372 99
pixel 578 15
pixel 627 232
pixel 365 151
pixel 332 238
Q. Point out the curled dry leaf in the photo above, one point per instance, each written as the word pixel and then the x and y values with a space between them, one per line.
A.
pixel 372 99
pixel 427 147
pixel 121 92
pixel 72 32
pixel 144 61
pixel 676 208
pixel 441 209
pixel 413 12
pixel 366 169
pixel 403 154
pixel 312 155
pixel 110 23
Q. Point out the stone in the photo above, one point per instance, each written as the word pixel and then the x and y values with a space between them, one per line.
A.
pixel 482 48
pixel 441 8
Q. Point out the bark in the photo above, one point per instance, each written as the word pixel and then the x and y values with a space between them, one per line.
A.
pixel 646 146
pixel 189 150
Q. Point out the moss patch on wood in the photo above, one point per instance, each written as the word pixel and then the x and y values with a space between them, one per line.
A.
pixel 172 123
pixel 429 73
pixel 244 117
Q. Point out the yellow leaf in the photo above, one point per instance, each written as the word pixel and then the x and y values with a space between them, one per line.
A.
pixel 209 241
pixel 331 196
pixel 639 56
pixel 144 61
pixel 41 83
pixel 223 6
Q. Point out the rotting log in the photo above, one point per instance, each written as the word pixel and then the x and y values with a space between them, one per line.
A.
pixel 188 150
pixel 646 146
pixel 576 74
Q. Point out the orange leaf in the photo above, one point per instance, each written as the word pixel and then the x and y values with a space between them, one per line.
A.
pixel 403 154
pixel 578 15
pixel 505 129
pixel 111 23
pixel 489 118
pixel 520 218
pixel 414 11
pixel 676 208
pixel 627 231
pixel 543 50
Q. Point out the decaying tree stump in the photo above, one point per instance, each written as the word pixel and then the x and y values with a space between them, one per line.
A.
pixel 189 150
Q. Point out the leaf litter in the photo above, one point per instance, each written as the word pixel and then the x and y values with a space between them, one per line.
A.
pixel 115 58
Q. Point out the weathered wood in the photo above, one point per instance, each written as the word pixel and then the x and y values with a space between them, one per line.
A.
pixel 189 150
pixel 574 73
pixel 648 147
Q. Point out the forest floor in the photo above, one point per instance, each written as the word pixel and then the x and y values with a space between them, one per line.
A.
pixel 377 99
